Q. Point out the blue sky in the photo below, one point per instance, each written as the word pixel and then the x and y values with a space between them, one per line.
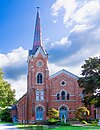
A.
pixel 70 30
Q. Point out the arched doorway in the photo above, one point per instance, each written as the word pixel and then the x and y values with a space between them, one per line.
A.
pixel 63 113
pixel 39 113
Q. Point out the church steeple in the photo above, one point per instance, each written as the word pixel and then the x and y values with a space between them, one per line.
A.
pixel 37 42
pixel 37 34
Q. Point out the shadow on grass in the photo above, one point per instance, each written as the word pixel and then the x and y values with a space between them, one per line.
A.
pixel 34 127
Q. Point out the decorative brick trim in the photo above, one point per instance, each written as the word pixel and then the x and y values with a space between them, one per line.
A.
pixel 39 105
pixel 62 106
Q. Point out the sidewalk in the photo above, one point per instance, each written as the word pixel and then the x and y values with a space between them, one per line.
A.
pixel 8 127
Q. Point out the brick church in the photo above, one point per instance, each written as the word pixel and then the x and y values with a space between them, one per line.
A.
pixel 59 91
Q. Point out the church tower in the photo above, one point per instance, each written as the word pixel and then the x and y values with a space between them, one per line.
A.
pixel 38 77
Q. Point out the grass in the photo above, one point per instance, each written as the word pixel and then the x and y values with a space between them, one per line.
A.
pixel 77 128
pixel 40 127
pixel 6 123
pixel 32 127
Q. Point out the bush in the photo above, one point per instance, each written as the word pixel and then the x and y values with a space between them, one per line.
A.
pixel 5 116
pixel 83 122
pixel 58 123
pixel 95 122
pixel 53 113
pixel 52 121
pixel 82 113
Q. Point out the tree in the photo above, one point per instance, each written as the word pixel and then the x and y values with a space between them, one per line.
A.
pixel 7 95
pixel 90 82
pixel 82 113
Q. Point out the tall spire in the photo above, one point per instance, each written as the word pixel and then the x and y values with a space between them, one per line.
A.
pixel 37 34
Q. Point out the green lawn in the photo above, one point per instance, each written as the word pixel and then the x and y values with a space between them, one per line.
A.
pixel 6 123
pixel 77 128
pixel 37 127
pixel 40 127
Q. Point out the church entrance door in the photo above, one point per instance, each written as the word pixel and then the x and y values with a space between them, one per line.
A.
pixel 39 113
pixel 63 114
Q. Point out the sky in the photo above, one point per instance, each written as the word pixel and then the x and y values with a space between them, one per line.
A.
pixel 70 32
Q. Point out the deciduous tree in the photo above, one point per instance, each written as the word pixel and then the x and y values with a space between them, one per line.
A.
pixel 7 95
pixel 90 82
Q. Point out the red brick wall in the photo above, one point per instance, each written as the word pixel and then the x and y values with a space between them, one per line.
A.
pixel 51 87
pixel 71 87
pixel 22 109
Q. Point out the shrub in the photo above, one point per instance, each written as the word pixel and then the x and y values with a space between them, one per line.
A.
pixel 82 113
pixel 5 115
pixel 52 121
pixel 83 122
pixel 53 113
pixel 58 123
pixel 95 122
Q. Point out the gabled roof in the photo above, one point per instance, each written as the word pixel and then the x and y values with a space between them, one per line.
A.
pixel 33 51
pixel 65 72
pixel 41 51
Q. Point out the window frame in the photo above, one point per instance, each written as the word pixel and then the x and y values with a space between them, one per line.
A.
pixel 63 99
pixel 39 95
pixel 39 78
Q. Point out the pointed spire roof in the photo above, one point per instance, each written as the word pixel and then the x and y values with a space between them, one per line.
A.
pixel 37 34
pixel 37 43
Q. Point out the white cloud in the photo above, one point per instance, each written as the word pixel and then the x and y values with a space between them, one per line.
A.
pixel 77 59
pixel 62 41
pixel 68 5
pixel 19 85
pixel 15 60
pixel 54 68
pixel 87 10
pixel 16 56
pixel 77 12
pixel 79 28
pixel 82 21
pixel 75 70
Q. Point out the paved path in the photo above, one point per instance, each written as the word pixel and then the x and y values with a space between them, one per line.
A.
pixel 8 127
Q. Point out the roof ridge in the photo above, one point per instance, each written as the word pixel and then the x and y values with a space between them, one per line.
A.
pixel 64 71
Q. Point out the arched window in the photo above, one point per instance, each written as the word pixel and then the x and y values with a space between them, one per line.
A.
pixel 58 96
pixel 63 95
pixel 39 108
pixel 63 108
pixel 39 78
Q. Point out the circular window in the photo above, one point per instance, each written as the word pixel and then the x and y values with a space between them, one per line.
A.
pixel 39 63
pixel 63 83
